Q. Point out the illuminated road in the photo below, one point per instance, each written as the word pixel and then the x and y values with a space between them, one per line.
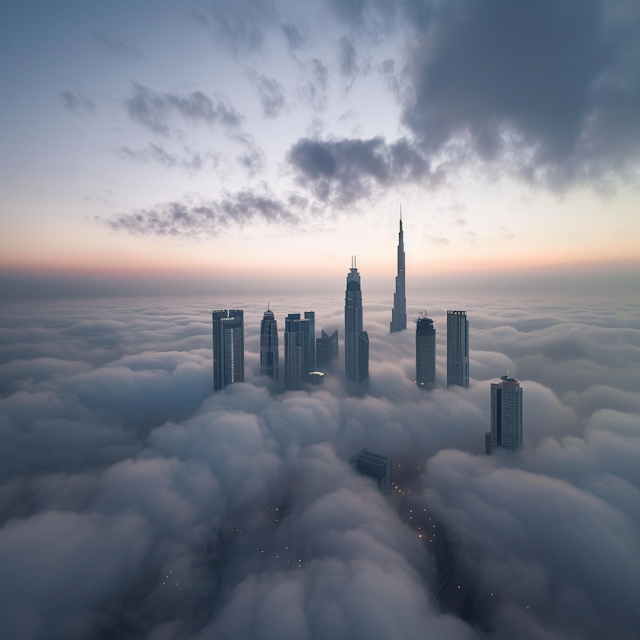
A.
pixel 451 582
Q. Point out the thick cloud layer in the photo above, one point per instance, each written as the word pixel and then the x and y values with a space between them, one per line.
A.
pixel 134 501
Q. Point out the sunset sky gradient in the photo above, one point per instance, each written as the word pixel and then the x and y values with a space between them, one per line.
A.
pixel 270 140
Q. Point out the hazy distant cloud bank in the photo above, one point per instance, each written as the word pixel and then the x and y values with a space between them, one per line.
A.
pixel 133 501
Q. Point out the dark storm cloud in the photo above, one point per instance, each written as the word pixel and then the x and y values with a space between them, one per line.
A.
pixel 155 110
pixel 187 160
pixel 270 92
pixel 118 47
pixel 208 218
pixel 74 101
pixel 345 170
pixel 137 503
pixel 544 91
pixel 549 89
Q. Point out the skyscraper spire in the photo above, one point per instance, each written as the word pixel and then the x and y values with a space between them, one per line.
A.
pixel 399 313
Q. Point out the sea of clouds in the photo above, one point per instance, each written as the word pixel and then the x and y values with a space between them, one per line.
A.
pixel 134 503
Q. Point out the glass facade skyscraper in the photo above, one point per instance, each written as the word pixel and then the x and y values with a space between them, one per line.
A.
pixel 399 312
pixel 425 352
pixel 228 347
pixel 309 352
pixel 269 346
pixel 457 349
pixel 356 341
pixel 299 349
pixel 326 350
pixel 506 415
pixel 292 352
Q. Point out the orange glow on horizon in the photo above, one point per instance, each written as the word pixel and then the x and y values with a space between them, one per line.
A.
pixel 179 269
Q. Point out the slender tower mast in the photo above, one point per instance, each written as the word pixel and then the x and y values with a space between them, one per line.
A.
pixel 399 313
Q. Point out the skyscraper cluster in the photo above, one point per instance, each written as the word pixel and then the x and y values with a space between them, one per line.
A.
pixel 307 358
pixel 303 352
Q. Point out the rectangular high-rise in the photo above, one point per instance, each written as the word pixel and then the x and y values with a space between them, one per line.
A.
pixel 309 330
pixel 425 352
pixel 326 350
pixel 293 352
pixel 299 349
pixel 506 415
pixel 457 349
pixel 228 347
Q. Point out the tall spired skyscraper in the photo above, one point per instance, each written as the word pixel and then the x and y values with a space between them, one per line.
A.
pixel 457 349
pixel 269 345
pixel 399 313
pixel 228 347
pixel 356 341
pixel 506 415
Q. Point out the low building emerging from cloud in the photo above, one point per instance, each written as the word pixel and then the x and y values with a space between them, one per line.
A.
pixel 374 466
